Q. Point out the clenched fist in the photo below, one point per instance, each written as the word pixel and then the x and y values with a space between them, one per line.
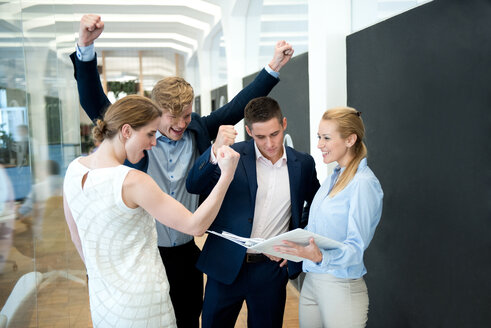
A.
pixel 91 26
pixel 227 161
pixel 226 137
pixel 283 52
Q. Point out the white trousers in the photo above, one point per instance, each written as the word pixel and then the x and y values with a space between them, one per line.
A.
pixel 330 302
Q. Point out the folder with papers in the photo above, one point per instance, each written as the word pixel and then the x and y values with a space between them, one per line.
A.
pixel 299 236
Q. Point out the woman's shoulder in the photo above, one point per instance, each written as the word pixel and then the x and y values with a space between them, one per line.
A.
pixel 365 176
pixel 365 172
pixel 133 176
pixel 75 166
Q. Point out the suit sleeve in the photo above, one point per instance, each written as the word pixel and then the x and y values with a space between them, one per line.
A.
pixel 203 176
pixel 312 190
pixel 92 97
pixel 233 112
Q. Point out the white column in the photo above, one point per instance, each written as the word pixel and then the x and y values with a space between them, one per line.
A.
pixel 234 32
pixel 329 24
pixel 240 25
pixel 204 78
pixel 253 33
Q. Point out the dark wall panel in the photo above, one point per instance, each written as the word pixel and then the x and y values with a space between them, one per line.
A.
pixel 292 93
pixel 218 97
pixel 423 82
pixel 197 104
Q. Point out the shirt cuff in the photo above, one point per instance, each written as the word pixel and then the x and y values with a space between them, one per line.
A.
pixel 271 72
pixel 213 159
pixel 85 54
pixel 328 256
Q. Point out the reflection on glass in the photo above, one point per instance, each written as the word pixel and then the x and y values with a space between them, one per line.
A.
pixel 42 279
pixel 31 210
pixel 7 216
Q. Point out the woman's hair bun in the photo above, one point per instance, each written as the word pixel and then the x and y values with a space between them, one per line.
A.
pixel 99 130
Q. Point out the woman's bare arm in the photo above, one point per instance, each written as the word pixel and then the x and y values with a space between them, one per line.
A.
pixel 139 189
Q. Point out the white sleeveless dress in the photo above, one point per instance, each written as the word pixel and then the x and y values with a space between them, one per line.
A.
pixel 128 285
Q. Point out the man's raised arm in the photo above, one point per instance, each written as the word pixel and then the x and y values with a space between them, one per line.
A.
pixel 233 112
pixel 92 96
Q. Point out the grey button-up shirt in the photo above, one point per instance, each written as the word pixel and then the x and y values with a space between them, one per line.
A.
pixel 169 164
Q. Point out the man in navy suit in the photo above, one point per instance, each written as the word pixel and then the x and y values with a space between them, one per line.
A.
pixel 266 198
pixel 181 137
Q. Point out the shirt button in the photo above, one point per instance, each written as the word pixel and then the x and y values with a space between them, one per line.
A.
pixel 172 193
pixel 170 160
pixel 172 177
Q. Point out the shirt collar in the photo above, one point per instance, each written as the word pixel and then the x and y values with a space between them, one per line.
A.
pixel 260 156
pixel 160 137
pixel 363 164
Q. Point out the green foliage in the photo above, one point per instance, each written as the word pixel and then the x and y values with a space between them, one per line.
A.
pixel 6 145
pixel 128 87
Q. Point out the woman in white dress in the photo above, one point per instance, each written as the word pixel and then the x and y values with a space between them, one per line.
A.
pixel 110 210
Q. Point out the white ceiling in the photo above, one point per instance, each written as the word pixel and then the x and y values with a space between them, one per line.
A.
pixel 164 31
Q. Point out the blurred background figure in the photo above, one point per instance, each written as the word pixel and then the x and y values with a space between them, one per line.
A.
pixel 50 183
pixel 22 145
pixel 6 217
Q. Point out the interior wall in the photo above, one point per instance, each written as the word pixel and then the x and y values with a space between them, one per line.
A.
pixel 422 81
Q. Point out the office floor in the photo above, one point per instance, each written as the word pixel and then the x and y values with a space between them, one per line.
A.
pixel 62 299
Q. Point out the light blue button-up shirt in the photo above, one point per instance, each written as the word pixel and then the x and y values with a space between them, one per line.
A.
pixel 349 217
pixel 169 164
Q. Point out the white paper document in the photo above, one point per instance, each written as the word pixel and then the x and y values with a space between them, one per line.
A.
pixel 299 236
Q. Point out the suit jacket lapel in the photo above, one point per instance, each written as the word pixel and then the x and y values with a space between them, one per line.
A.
pixel 248 159
pixel 294 175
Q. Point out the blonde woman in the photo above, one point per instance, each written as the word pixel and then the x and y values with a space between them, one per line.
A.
pixel 347 208
pixel 110 210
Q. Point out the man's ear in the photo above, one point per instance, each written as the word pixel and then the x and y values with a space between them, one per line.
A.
pixel 248 131
pixel 284 123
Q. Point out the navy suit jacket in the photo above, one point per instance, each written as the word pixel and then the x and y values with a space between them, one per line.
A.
pixel 204 129
pixel 220 258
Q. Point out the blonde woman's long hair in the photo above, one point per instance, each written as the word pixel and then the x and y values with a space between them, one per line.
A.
pixel 349 122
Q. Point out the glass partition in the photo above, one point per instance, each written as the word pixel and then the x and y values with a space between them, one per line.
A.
pixel 42 278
